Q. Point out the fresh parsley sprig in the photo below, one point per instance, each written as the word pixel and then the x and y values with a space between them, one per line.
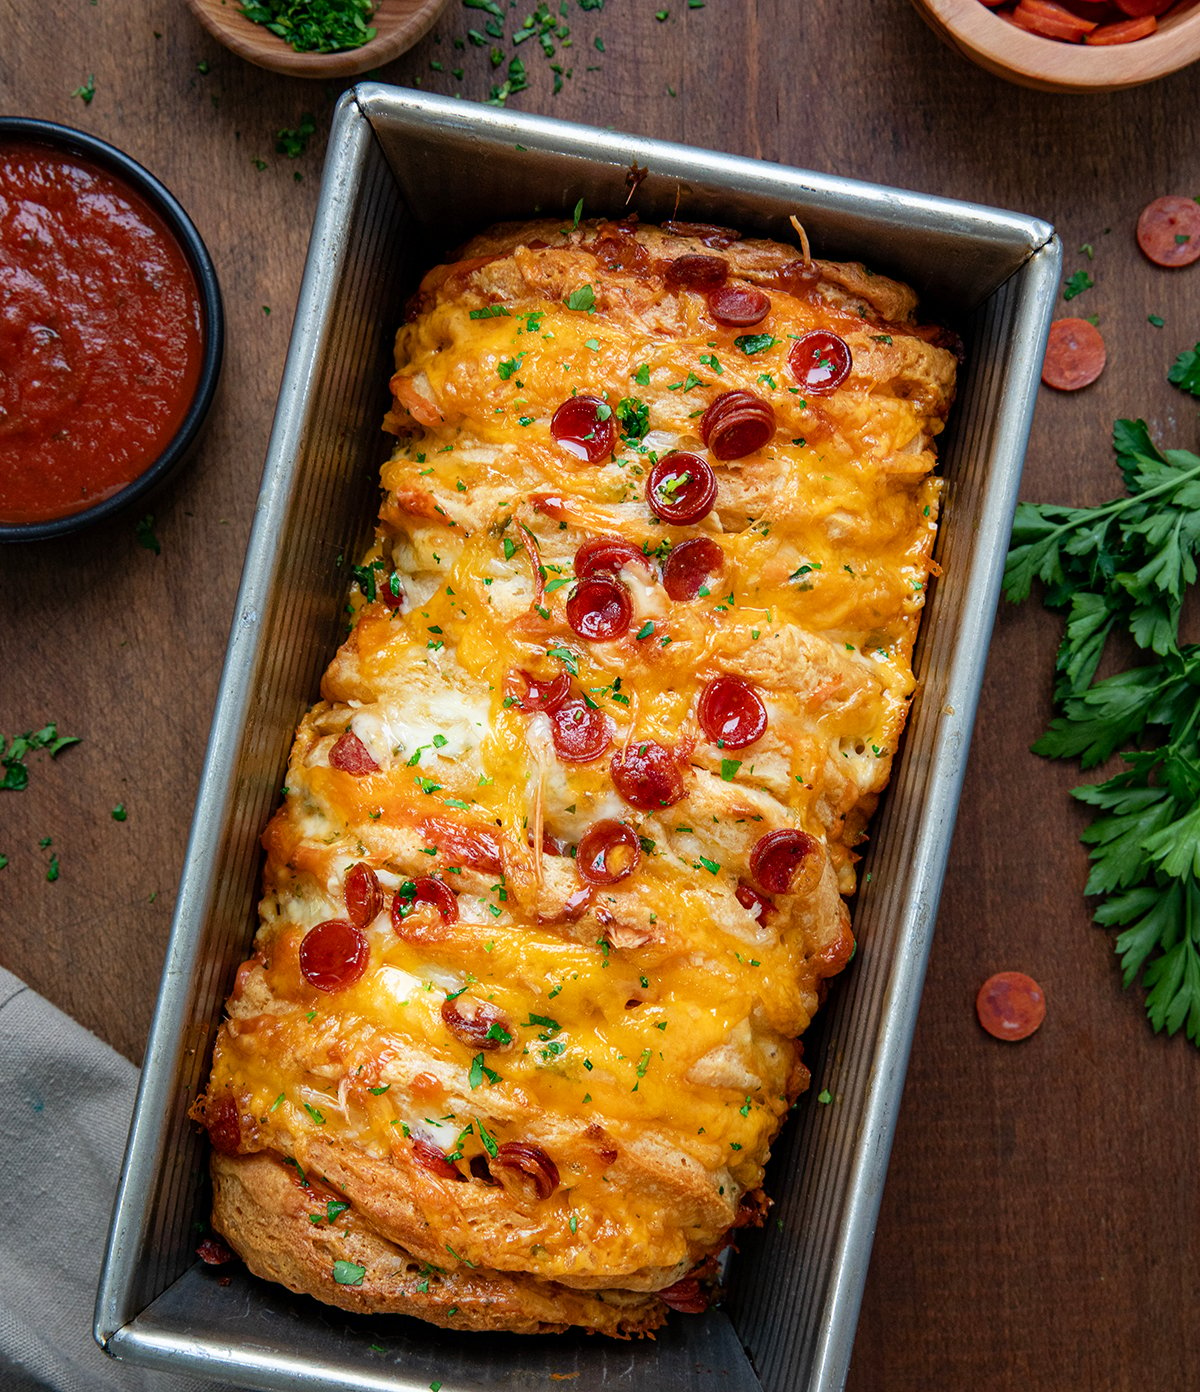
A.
pixel 1127 564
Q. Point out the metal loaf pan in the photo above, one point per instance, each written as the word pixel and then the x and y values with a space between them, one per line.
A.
pixel 408 176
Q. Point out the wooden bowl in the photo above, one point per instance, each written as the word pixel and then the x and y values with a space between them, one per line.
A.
pixel 398 24
pixel 1053 66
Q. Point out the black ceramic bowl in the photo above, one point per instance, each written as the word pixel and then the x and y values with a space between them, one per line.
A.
pixel 65 140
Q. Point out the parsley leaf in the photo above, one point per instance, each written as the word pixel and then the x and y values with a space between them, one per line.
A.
pixel 1077 284
pixel 1126 565
pixel 1185 371
pixel 583 299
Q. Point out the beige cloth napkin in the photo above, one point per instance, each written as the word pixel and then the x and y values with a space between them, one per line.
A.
pixel 65 1103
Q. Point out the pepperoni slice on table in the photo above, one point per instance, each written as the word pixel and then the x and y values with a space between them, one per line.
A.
pixel 607 554
pixel 1123 32
pixel 757 905
pixel 478 1025
pixel 333 955
pixel 736 424
pixel 521 1166
pixel 697 272
pixel 731 712
pixel 583 426
pixel 608 853
pixel 1010 1005
pixel 646 776
pixel 738 306
pixel 691 566
pixel 1075 355
pixel 777 857
pixel 363 895
pixel 599 608
pixel 580 734
pixel 544 695
pixel 414 895
pixel 1168 231
pixel 430 1158
pixel 681 488
pixel 820 361
pixel 349 754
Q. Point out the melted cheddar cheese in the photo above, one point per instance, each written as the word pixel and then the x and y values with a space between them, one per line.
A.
pixel 638 1035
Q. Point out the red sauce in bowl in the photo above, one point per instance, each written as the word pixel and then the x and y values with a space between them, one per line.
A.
pixel 100 334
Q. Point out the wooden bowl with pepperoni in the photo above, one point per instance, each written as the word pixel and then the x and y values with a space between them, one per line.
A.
pixel 1071 45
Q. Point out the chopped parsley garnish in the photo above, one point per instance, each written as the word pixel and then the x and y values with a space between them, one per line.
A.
pixel 729 768
pixel 1077 284
pixel 480 1071
pixel 86 90
pixel 507 366
pixel 317 1115
pixel 583 299
pixel 347 1273
pixel 118 813
pixel 315 26
pixel 12 757
pixel 144 531
pixel 642 375
pixel 293 143
pixel 492 311
pixel 710 865
pixel 755 343
pixel 634 416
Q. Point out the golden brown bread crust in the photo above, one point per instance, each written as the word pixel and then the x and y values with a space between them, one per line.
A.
pixel 548 1099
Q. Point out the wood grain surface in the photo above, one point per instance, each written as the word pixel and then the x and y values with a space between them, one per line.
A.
pixel 1041 1223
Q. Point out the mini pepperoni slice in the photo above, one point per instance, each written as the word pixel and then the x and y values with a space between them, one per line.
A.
pixel 551 505
pixel 757 905
pixel 1010 1005
pixel 1047 9
pixel 1044 25
pixel 820 361
pixel 426 892
pixel 521 1166
pixel 599 608
pixel 688 1297
pixel 223 1123
pixel 430 1158
pixel 349 754
pixel 681 488
pixel 543 695
pixel 580 734
pixel 736 424
pixel 363 895
pixel 391 591
pixel 731 712
pixel 1075 355
pixel 607 554
pixel 1168 231
pixel 477 1024
pixel 583 426
pixel 608 853
pixel 1143 9
pixel 708 233
pixel 333 955
pixel 691 566
pixel 1123 32
pixel 777 857
pixel 738 306
pixel 696 272
pixel 647 776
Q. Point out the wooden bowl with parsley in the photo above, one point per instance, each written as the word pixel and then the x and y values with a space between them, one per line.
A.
pixel 317 38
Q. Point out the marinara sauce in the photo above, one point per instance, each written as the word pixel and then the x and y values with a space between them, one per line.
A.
pixel 100 334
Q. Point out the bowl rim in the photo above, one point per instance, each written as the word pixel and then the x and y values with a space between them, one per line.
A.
pixel 1027 58
pixel 212 313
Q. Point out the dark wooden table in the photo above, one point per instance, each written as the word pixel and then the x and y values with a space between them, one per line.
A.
pixel 1041 1225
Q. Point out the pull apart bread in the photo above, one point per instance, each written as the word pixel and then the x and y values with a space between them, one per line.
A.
pixel 558 877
